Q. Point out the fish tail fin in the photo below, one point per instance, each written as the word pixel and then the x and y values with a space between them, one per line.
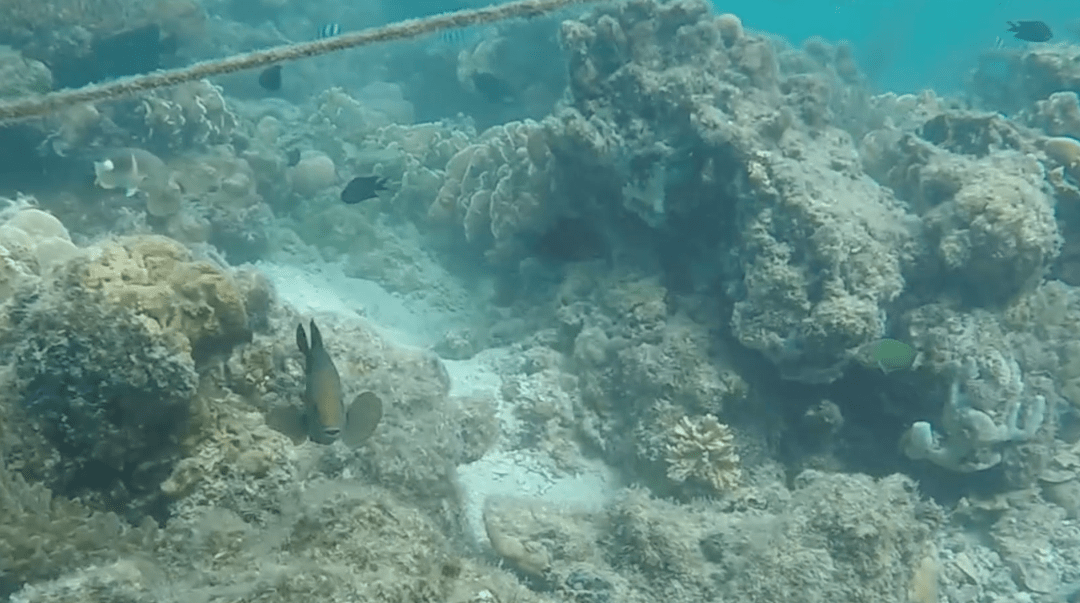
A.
pixel 363 417
pixel 301 339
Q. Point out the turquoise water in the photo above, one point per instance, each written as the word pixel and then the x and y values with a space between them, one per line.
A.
pixel 906 45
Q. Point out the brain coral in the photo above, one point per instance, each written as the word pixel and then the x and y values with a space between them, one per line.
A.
pixel 31 241
pixel 193 302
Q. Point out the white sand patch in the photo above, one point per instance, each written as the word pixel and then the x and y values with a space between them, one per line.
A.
pixel 501 472
pixel 315 289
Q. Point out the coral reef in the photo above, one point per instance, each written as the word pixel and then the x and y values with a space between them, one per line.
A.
pixel 194 303
pixel 498 187
pixel 31 243
pixel 678 139
pixel 972 438
pixel 997 233
pixel 22 76
pixel 675 271
pixel 1030 79
pixel 108 393
pixel 190 115
pixel 104 349
pixel 703 449
pixel 312 173
pixel 43 536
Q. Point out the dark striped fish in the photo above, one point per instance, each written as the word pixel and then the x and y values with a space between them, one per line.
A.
pixel 453 37
pixel 454 41
pixel 329 30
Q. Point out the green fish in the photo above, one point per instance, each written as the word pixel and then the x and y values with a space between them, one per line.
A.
pixel 324 417
pixel 892 355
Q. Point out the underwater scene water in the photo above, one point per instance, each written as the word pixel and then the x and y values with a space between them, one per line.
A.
pixel 576 301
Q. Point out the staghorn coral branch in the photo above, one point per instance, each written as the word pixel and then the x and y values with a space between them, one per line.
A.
pixel 37 106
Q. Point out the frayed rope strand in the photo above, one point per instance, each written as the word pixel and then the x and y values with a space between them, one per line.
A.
pixel 37 106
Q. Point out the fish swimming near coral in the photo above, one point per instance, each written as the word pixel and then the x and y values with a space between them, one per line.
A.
pixel 129 169
pixel 891 355
pixel 270 78
pixel 494 89
pixel 324 417
pixel 362 188
pixel 1030 31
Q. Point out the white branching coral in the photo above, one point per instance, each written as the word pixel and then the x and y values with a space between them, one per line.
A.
pixel 703 449
pixel 191 114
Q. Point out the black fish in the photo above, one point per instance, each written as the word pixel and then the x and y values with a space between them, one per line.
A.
pixel 1030 31
pixel 492 88
pixel 270 78
pixel 361 188
pixel 292 157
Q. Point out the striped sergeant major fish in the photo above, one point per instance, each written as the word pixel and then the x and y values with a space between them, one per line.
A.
pixel 329 30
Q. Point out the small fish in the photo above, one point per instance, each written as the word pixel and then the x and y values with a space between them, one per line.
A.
pixel 129 169
pixel 270 78
pixel 494 89
pixel 292 157
pixel 892 355
pixel 453 37
pixel 324 417
pixel 329 30
pixel 451 42
pixel 362 188
pixel 1030 31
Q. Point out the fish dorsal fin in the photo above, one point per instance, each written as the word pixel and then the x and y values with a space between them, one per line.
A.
pixel 316 337
pixel 362 419
pixel 301 339
pixel 288 420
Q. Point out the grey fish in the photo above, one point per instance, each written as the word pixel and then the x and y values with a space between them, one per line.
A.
pixel 324 417
pixel 1030 31
pixel 131 170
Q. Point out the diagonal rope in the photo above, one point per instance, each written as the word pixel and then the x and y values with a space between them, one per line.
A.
pixel 36 106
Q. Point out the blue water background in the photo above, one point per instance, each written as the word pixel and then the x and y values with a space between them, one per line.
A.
pixel 906 45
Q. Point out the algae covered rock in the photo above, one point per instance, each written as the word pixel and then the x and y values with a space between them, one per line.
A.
pixel 108 393
pixel 158 278
pixel 105 350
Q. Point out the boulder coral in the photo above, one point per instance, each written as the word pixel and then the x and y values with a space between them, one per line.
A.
pixel 195 303
pixel 31 243
pixel 107 391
